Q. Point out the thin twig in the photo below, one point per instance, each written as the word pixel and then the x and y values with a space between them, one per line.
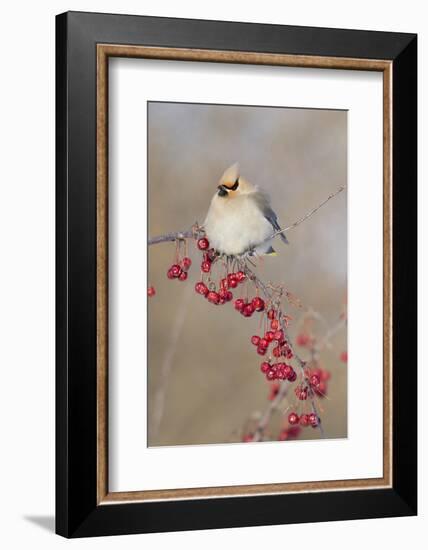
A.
pixel 329 334
pixel 170 237
pixel 173 236
pixel 273 406
pixel 159 400
pixel 306 216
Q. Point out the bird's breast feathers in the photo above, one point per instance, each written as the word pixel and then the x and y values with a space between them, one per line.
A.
pixel 235 226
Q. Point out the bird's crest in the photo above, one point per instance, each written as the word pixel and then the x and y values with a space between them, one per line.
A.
pixel 230 175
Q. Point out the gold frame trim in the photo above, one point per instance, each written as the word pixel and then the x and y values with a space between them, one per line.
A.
pixel 104 51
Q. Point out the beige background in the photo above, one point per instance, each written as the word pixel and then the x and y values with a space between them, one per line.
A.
pixel 204 382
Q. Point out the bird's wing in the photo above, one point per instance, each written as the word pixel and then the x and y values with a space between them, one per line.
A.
pixel 269 214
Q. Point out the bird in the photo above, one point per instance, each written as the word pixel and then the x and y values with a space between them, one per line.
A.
pixel 240 219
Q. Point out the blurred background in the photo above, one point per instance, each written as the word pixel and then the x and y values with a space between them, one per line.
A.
pixel 204 383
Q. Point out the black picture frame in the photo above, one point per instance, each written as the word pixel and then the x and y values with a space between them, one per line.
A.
pixel 77 511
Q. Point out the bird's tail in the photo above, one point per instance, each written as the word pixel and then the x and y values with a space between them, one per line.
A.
pixel 284 238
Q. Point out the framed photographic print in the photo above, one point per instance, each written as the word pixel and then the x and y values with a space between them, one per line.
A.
pixel 236 274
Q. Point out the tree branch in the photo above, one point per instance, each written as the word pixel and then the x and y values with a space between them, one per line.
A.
pixel 196 229
pixel 283 390
pixel 273 406
pixel 306 216
pixel 171 237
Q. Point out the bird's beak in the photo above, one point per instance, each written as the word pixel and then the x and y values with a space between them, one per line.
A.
pixel 222 190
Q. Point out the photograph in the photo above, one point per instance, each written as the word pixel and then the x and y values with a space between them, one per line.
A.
pixel 213 256
pixel 247 274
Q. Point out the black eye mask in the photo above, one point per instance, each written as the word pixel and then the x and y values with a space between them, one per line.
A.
pixel 234 186
pixel 223 190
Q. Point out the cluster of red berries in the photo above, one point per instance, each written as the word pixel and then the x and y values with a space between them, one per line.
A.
pixel 304 420
pixel 273 336
pixel 211 294
pixel 179 270
pixel 290 432
pixel 223 294
pixel 318 380
pixel 247 307
pixel 278 371
pixel 301 392
pixel 315 383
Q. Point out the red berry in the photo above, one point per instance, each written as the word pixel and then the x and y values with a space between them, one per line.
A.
pixel 201 288
pixel 183 276
pixel 247 438
pixel 281 374
pixel 293 418
pixel 313 419
pixel 206 267
pixel 186 263
pixel 232 280
pixel 314 380
pixel 224 284
pixel 258 303
pixel 203 243
pixel 225 295
pixel 302 340
pixel 286 352
pixel 170 274
pixel 271 314
pixel 325 375
pixel 248 310
pixel 265 367
pixel 240 275
pixel 213 297
pixel 261 350
pixel 255 340
pixel 276 351
pixel 271 375
pixel 274 325
pixel 222 293
pixel 344 356
pixel 321 390
pixel 301 393
pixel 239 304
pixel 279 335
pixel 283 435
pixel 304 420
pixel 269 336
pixel 151 291
pixel 292 376
pixel 287 369
pixel 176 270
pixel 263 343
